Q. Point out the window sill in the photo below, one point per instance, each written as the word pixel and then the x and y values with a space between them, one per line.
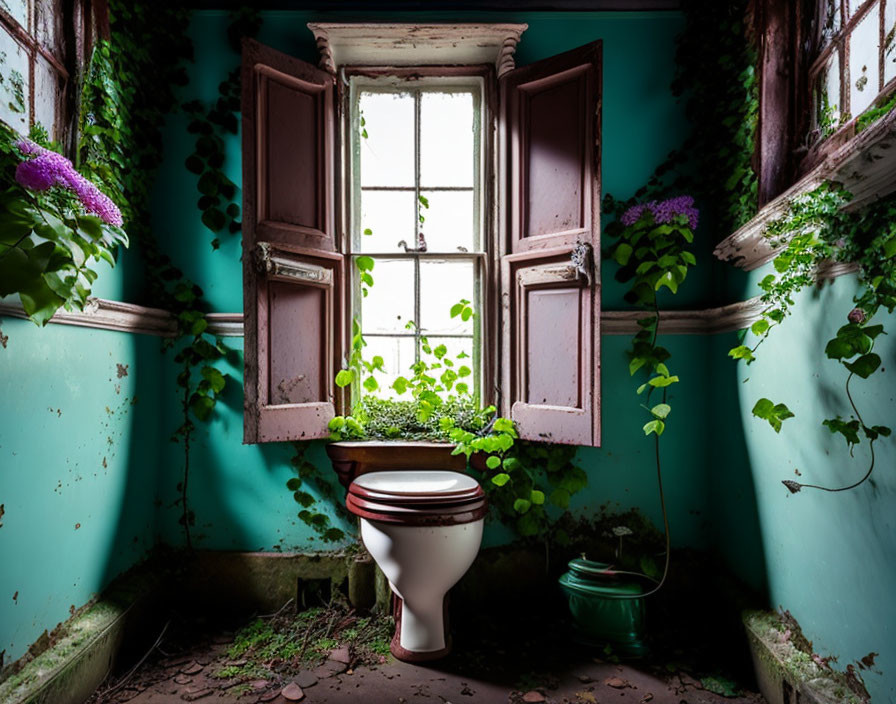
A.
pixel 353 458
pixel 865 165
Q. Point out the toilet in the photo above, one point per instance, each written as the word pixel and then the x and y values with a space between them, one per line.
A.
pixel 423 528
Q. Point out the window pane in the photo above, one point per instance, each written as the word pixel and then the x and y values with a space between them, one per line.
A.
pixel 449 221
pixel 18 9
pixel 398 356
pixel 863 57
pixel 390 303
pixel 829 20
pixel 442 284
pixel 48 16
pixel 446 139
pixel 458 346
pixel 13 83
pixel 47 96
pixel 889 41
pixel 827 96
pixel 389 215
pixel 387 153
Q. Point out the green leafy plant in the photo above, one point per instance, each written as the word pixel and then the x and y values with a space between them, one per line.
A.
pixel 651 249
pixel 49 244
pixel 816 229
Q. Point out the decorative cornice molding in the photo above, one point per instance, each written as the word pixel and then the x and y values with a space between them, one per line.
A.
pixel 389 44
pixel 128 317
pixel 108 315
pixel 865 166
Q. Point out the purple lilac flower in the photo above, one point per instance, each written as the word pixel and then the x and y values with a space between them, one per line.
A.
pixel 48 169
pixel 664 211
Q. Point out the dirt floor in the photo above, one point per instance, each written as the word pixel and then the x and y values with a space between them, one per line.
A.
pixel 330 654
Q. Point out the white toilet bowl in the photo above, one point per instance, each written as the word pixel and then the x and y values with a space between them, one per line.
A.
pixel 423 529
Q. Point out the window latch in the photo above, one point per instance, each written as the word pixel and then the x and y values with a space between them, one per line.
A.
pixel 582 257
pixel 421 244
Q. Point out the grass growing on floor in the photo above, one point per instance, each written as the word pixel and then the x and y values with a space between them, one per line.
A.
pixel 287 642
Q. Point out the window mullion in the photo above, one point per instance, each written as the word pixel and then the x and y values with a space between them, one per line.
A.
pixel 416 242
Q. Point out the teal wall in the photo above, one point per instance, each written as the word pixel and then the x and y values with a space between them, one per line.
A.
pixel 78 452
pixel 831 557
pixel 238 492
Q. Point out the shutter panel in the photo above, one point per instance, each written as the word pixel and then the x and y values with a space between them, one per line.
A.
pixel 550 129
pixel 292 273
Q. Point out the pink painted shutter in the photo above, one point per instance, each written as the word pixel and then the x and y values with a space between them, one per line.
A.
pixel 550 147
pixel 292 273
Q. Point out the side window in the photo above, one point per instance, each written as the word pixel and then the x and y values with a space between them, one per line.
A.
pixel 854 60
pixel 34 80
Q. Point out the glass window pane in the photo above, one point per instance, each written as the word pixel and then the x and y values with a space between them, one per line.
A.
pixel 448 221
pixel 389 305
pixel 13 83
pixel 864 83
pixel 398 356
pixel 18 9
pixel 442 284
pixel 389 215
pixel 48 15
pixel 446 139
pixel 829 20
pixel 889 41
pixel 47 96
pixel 460 351
pixel 827 96
pixel 387 153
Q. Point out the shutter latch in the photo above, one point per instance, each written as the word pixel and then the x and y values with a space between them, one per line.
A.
pixel 583 260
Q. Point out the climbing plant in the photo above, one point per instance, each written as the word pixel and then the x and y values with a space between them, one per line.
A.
pixel 814 230
pixel 217 192
pixel 651 249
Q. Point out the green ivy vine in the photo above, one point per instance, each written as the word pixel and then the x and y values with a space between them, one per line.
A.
pixel 816 229
pixel 217 192
pixel 129 87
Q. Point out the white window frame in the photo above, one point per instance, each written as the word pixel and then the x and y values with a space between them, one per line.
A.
pixel 409 80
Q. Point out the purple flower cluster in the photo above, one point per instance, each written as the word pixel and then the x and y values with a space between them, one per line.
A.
pixel 664 211
pixel 47 169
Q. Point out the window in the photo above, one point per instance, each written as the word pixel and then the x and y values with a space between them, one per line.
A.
pixel 33 75
pixel 855 60
pixel 523 204
pixel 416 194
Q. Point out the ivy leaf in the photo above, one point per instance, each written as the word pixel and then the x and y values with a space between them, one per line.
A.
pixel 759 327
pixel 775 414
pixel 522 505
pixel 371 384
pixel 559 498
pixel 214 377
pixel 365 263
pixel 622 254
pixel 654 426
pixel 848 429
pixel 864 366
pixel 742 352
pixel 493 462
pixel 500 479
pixel 344 377
pixel 536 497
pixel 294 484
pixel 202 406
pixel 661 410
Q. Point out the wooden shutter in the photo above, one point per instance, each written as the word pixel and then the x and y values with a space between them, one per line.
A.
pixel 550 150
pixel 292 273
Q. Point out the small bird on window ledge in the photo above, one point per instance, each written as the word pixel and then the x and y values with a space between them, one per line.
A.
pixel 421 244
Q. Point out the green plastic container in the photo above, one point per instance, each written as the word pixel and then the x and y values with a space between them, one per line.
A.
pixel 605 607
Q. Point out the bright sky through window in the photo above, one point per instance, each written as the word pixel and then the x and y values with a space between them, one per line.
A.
pixel 416 193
